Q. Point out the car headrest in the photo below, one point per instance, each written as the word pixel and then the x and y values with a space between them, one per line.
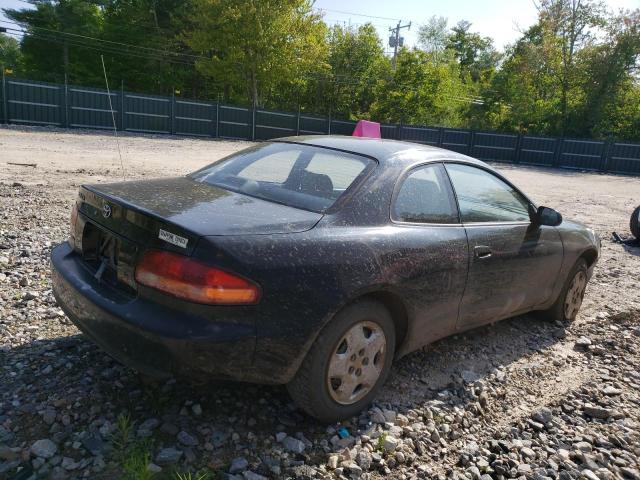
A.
pixel 317 184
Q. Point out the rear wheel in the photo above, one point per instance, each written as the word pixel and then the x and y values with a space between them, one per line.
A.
pixel 347 364
pixel 634 223
pixel 569 301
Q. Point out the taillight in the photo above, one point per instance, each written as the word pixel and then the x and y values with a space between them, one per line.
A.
pixel 194 281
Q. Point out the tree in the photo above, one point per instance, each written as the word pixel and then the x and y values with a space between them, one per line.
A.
pixel 568 25
pixel 433 37
pixel 476 55
pixel 423 92
pixel 10 54
pixel 49 54
pixel 357 63
pixel 252 45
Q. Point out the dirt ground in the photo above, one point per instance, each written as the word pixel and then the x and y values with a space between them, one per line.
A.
pixel 543 367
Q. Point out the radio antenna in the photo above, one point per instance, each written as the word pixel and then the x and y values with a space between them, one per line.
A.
pixel 113 117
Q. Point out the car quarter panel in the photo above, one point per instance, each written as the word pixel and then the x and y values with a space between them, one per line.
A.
pixel 307 277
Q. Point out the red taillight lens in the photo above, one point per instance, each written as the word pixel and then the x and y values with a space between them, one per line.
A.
pixel 191 280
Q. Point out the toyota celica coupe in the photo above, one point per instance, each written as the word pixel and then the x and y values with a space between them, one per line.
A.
pixel 312 262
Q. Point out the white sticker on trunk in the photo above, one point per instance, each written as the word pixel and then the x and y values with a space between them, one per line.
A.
pixel 173 238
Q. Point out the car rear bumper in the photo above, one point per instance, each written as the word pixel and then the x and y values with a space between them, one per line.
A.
pixel 147 336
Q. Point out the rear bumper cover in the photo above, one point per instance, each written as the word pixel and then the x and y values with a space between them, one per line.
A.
pixel 148 336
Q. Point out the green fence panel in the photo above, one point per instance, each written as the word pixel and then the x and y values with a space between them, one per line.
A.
pixel 34 103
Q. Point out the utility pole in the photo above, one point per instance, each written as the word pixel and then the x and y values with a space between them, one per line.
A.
pixel 395 40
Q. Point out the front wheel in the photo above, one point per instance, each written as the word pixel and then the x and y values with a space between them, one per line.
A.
pixel 569 301
pixel 347 364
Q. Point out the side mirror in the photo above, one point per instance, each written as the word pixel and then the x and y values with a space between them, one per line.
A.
pixel 546 216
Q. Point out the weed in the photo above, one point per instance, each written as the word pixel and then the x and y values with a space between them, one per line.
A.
pixel 380 442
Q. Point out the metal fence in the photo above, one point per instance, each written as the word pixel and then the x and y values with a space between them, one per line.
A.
pixel 31 102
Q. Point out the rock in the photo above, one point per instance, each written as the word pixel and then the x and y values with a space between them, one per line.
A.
pixel 400 458
pixel 631 473
pixel 583 446
pixel 49 416
pixel 196 409
pixel 153 468
pixel 93 444
pixel 249 475
pixel 390 443
pixel 332 463
pixel 377 416
pixel 589 475
pixel 293 445
pixel 527 453
pixel 44 448
pixel 280 436
pixel 597 412
pixel 363 459
pixel 612 391
pixel 583 342
pixel 187 439
pixel 469 376
pixel 168 456
pixel 147 427
pixel 238 465
pixel 543 415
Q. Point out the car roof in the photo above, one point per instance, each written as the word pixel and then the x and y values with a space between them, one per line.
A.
pixel 383 150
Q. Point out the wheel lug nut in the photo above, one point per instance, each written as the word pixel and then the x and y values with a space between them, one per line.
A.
pixel 351 370
pixel 361 353
pixel 353 357
pixel 365 361
pixel 358 372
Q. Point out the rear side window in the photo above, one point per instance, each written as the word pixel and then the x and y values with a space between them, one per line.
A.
pixel 301 176
pixel 483 197
pixel 425 196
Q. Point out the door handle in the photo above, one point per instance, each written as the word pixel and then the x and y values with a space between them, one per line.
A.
pixel 482 251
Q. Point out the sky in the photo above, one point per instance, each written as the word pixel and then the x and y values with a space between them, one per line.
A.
pixel 501 20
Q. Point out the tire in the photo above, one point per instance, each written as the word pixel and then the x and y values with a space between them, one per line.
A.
pixel 570 293
pixel 321 394
pixel 634 223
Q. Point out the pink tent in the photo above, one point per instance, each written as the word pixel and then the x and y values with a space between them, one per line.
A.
pixel 365 128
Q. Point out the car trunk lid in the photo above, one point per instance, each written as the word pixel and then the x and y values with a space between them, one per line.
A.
pixel 176 211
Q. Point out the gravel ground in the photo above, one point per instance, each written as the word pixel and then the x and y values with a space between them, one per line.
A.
pixel 520 399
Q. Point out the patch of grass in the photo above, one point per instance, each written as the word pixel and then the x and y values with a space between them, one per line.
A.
pixel 123 434
pixel 135 461
pixel 132 456
pixel 380 442
pixel 199 475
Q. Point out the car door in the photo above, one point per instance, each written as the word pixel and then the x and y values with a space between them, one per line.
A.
pixel 431 258
pixel 513 264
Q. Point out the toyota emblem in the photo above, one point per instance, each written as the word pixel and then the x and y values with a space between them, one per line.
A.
pixel 106 210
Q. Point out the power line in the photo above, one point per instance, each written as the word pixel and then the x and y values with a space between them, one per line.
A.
pixel 356 14
pixel 87 37
pixel 105 49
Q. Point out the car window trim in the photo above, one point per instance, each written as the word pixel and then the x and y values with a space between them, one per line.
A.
pixel 500 177
pixel 396 189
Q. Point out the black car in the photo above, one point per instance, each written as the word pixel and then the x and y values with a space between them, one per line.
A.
pixel 312 262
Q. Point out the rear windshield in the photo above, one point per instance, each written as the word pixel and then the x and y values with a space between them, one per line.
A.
pixel 301 176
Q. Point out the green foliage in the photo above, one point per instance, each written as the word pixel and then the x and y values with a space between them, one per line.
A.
pixel 574 72
pixel 380 442
pixel 10 54
pixel 252 45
